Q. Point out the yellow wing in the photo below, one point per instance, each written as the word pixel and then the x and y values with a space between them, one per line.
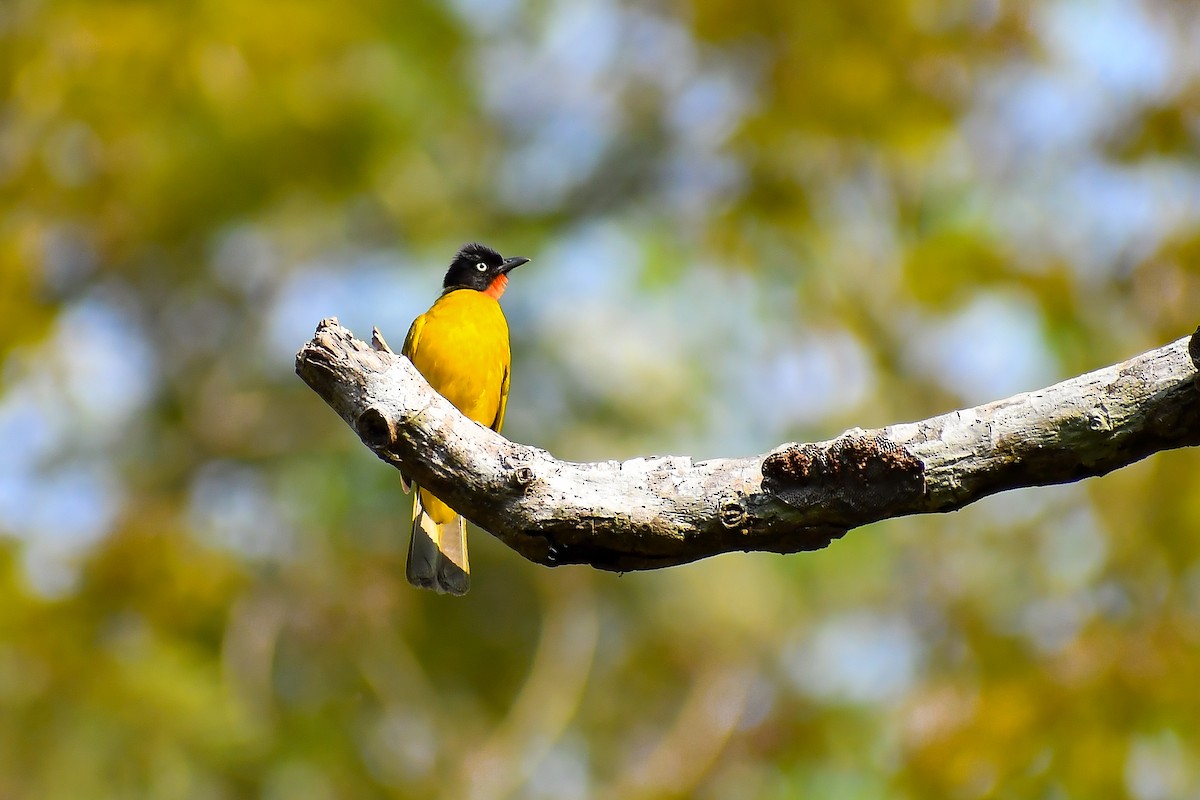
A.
pixel 414 334
pixel 503 401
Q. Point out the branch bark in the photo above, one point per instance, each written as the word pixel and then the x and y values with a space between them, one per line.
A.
pixel 648 513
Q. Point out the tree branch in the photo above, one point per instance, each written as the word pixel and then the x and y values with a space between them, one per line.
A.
pixel 656 512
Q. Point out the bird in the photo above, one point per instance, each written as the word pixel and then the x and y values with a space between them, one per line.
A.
pixel 461 347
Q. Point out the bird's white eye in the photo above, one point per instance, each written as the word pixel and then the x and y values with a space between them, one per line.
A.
pixel 482 267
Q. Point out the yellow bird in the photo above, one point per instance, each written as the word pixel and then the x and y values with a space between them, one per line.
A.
pixel 461 347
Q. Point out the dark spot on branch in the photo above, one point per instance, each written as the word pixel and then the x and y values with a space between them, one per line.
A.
pixel 376 429
pixel 859 477
pixel 733 514
pixel 522 476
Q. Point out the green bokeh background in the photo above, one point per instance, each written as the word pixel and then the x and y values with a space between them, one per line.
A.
pixel 750 223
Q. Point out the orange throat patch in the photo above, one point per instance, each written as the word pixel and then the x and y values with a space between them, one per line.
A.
pixel 499 284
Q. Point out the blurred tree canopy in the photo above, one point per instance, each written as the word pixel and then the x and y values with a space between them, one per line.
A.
pixel 749 224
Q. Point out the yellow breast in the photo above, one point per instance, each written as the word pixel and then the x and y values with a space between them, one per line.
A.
pixel 461 347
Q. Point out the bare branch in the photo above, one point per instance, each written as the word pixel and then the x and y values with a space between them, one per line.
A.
pixel 655 512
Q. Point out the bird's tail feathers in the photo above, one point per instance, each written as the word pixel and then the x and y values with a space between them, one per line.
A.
pixel 437 553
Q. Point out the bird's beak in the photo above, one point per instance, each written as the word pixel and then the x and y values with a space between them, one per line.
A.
pixel 512 263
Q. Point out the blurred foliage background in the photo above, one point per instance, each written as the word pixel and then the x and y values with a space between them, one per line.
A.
pixel 750 223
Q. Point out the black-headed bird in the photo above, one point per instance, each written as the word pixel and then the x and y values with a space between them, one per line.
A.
pixel 461 347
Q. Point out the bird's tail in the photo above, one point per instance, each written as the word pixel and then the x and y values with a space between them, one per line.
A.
pixel 437 553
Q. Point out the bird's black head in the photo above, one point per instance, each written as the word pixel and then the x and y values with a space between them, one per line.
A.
pixel 481 268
